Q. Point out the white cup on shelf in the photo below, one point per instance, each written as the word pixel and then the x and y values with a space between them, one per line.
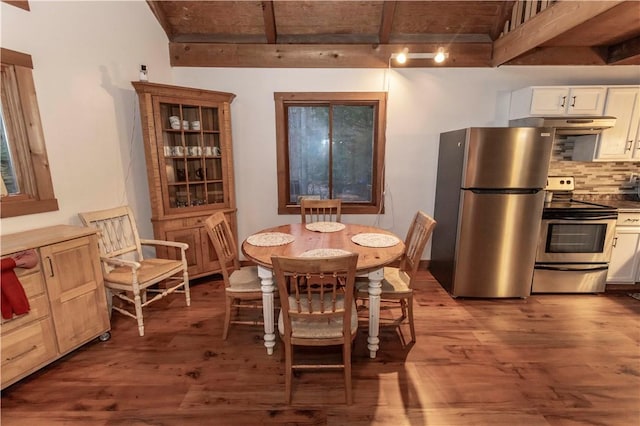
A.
pixel 168 151
pixel 217 151
pixel 208 151
pixel 178 150
pixel 195 125
pixel 174 121
pixel 185 124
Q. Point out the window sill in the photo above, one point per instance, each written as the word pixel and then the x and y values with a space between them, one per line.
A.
pixel 24 207
pixel 346 209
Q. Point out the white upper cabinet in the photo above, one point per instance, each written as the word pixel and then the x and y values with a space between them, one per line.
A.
pixel 545 101
pixel 620 143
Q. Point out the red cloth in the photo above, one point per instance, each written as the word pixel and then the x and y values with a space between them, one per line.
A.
pixel 14 300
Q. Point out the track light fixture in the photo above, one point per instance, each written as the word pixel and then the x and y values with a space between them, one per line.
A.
pixel 439 56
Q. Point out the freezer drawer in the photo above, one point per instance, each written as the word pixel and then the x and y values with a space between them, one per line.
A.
pixel 496 244
pixel 569 278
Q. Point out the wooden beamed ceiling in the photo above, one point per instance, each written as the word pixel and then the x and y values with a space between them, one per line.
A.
pixel 364 34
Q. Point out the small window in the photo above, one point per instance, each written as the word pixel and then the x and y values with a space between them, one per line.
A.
pixel 331 145
pixel 26 186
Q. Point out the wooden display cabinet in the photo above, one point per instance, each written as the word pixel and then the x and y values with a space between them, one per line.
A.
pixel 189 156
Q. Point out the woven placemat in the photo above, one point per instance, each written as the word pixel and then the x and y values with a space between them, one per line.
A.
pixel 324 252
pixel 268 239
pixel 325 226
pixel 375 240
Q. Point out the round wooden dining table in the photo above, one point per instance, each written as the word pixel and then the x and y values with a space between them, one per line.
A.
pixel 297 240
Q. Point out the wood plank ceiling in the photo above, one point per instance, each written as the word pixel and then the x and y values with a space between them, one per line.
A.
pixel 364 34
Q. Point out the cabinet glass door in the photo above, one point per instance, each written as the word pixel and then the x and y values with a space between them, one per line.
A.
pixel 192 155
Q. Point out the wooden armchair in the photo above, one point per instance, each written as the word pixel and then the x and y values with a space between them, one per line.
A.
pixel 313 210
pixel 318 309
pixel 127 274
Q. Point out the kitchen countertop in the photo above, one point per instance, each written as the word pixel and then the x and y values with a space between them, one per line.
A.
pixel 623 205
pixel 623 202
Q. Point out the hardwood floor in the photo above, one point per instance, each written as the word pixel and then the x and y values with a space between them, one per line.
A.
pixel 547 360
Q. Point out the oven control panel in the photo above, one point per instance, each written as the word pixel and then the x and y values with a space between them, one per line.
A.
pixel 560 183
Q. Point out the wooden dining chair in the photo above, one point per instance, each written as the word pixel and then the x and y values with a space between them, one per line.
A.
pixel 129 275
pixel 242 284
pixel 313 210
pixel 318 309
pixel 397 282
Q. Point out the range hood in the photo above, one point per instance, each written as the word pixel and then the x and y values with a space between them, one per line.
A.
pixel 573 126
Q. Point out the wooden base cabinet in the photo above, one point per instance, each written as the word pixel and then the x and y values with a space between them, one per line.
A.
pixel 67 300
pixel 201 256
pixel 189 156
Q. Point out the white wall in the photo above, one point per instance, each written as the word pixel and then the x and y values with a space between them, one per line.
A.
pixel 86 54
pixel 422 103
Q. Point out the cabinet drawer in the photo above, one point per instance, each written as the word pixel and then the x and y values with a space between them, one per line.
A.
pixel 628 219
pixel 38 308
pixel 187 222
pixel 31 281
pixel 27 349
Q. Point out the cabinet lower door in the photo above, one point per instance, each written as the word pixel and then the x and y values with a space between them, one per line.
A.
pixel 76 291
pixel 193 237
pixel 624 267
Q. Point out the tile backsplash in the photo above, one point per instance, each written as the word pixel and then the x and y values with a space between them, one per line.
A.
pixel 592 177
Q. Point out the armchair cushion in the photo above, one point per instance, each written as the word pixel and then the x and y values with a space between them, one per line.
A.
pixel 150 269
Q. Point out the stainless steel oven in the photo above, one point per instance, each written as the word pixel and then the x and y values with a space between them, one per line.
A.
pixel 576 239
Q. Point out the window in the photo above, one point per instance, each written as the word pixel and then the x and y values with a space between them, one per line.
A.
pixel 26 181
pixel 331 145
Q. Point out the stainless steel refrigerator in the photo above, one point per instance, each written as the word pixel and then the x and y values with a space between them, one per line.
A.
pixel 489 201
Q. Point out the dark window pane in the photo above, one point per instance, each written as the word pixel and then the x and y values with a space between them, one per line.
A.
pixel 10 183
pixel 308 151
pixel 353 142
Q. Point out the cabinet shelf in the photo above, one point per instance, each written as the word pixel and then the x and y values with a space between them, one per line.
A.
pixel 190 171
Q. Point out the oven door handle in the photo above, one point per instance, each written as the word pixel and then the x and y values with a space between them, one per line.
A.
pixel 569 269
pixel 581 218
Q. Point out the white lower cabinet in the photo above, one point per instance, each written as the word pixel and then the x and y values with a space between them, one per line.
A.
pixel 624 267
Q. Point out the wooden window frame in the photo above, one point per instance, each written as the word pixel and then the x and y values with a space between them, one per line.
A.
pixel 284 99
pixel 24 129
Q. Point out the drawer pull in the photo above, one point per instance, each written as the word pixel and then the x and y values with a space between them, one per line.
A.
pixel 20 355
pixel 50 266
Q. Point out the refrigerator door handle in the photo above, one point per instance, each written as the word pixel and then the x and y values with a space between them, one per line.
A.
pixel 500 191
pixel 579 218
pixel 570 269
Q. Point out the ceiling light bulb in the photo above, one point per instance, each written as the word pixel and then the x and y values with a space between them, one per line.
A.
pixel 401 57
pixel 439 58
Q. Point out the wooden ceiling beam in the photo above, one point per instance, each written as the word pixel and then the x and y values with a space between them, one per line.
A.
pixel 158 12
pixel 548 24
pixel 562 55
pixel 625 53
pixel 321 56
pixel 386 23
pixel 269 22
